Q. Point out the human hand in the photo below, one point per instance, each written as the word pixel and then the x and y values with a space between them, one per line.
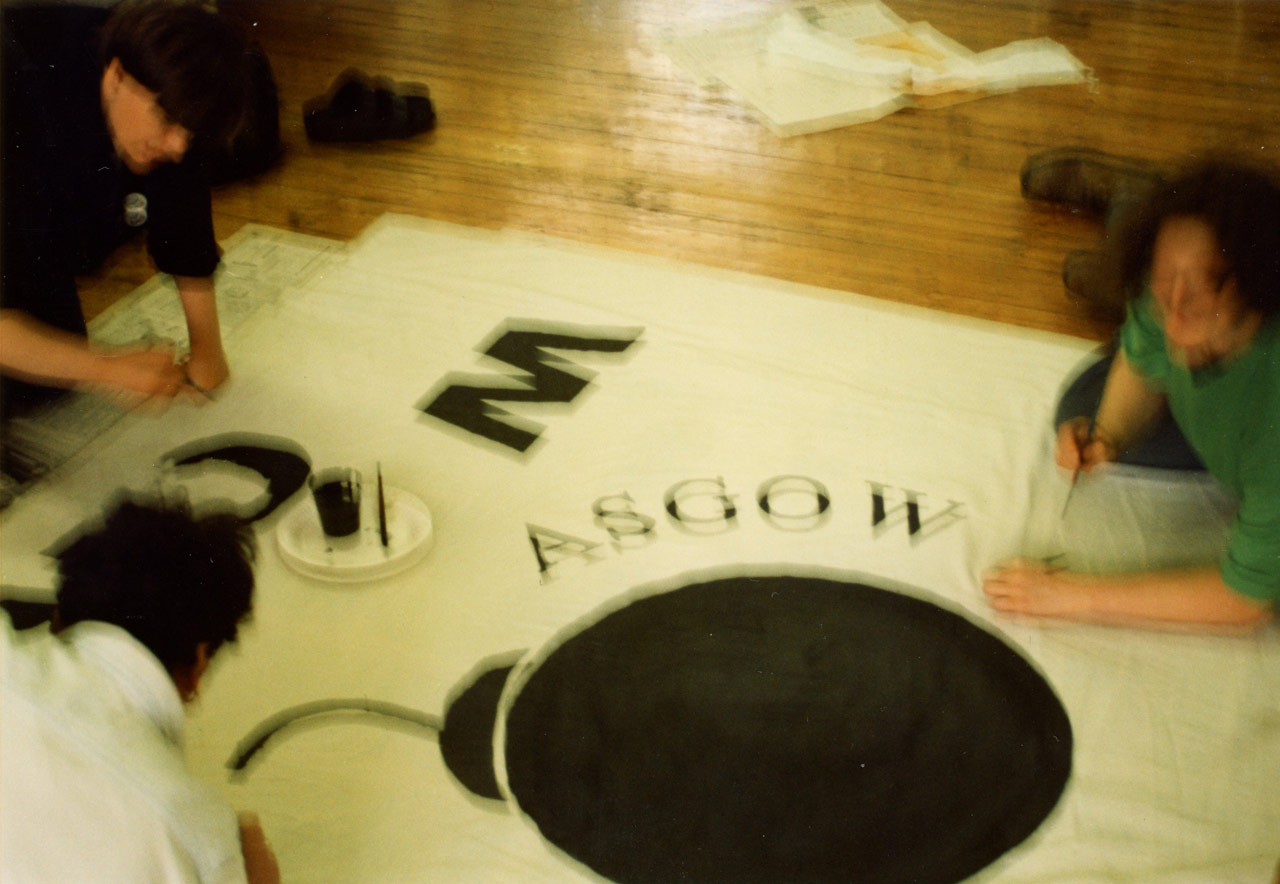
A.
pixel 1032 588
pixel 1082 445
pixel 140 374
pixel 208 368
pixel 259 860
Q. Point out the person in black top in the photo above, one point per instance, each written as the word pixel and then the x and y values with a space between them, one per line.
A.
pixel 106 115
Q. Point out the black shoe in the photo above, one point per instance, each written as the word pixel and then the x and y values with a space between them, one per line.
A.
pixel 1094 280
pixel 358 107
pixel 1085 179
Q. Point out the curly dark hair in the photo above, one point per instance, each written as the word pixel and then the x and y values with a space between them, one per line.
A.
pixel 195 61
pixel 172 581
pixel 1240 203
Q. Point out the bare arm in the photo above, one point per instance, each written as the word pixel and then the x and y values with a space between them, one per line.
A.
pixel 1189 598
pixel 207 365
pixel 42 354
pixel 1127 408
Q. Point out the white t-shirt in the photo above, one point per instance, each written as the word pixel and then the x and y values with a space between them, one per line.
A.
pixel 93 785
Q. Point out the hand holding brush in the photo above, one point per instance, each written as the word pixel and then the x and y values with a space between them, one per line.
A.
pixel 1082 445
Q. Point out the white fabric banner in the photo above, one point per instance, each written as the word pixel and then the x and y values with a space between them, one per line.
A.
pixel 731 424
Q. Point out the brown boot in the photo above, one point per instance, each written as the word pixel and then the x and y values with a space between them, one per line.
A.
pixel 1090 277
pixel 1085 179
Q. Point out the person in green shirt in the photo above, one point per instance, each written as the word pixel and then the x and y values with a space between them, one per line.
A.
pixel 1200 345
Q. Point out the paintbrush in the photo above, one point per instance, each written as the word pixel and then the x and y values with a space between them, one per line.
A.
pixel 186 379
pixel 382 509
pixel 1075 476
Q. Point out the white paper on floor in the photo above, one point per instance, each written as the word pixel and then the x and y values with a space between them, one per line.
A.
pixel 814 67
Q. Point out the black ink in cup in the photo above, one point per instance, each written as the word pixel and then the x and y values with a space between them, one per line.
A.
pixel 337 496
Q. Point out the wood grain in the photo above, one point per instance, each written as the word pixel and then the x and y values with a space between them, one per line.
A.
pixel 565 117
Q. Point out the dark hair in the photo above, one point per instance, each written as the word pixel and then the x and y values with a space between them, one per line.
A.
pixel 170 580
pixel 192 58
pixel 1239 202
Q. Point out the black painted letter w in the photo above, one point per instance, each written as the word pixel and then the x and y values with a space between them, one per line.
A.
pixel 464 400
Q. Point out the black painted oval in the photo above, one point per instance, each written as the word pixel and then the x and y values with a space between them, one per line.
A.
pixel 785 730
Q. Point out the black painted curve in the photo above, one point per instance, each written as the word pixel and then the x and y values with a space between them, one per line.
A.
pixel 283 463
pixel 466 742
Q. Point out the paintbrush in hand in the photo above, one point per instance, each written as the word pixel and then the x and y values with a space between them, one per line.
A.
pixel 1075 476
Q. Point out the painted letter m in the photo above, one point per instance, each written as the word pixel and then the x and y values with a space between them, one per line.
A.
pixel 465 400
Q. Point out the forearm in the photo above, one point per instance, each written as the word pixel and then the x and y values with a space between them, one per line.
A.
pixel 1190 596
pixel 200 306
pixel 1128 406
pixel 207 365
pixel 40 353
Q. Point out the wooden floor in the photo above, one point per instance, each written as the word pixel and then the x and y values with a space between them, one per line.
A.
pixel 564 117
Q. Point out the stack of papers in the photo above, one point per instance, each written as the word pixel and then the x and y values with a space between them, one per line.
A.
pixel 813 68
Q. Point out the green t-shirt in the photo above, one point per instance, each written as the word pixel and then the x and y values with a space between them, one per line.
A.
pixel 1230 413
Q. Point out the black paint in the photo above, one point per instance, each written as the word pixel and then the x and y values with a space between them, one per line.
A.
pixel 718 521
pixel 821 496
pixel 706 507
pixel 544 540
pixel 549 378
pixel 917 527
pixel 282 462
pixel 338 503
pixel 785 730
pixel 312 714
pixel 466 743
pixel 25 615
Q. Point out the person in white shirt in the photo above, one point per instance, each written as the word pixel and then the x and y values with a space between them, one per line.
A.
pixel 93 785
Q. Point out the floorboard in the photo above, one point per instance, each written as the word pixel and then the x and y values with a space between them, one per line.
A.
pixel 564 117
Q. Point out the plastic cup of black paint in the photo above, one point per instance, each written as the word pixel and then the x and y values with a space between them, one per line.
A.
pixel 336 492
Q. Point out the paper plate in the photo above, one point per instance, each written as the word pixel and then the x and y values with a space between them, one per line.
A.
pixel 362 557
